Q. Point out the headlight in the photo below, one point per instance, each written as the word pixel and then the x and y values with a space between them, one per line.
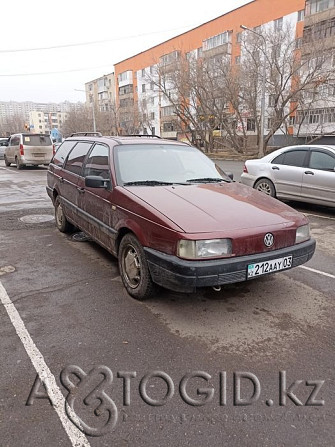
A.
pixel 208 248
pixel 302 234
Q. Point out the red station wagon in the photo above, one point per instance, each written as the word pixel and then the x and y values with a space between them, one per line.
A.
pixel 170 215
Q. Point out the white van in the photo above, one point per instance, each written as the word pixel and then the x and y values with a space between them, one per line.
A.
pixel 29 149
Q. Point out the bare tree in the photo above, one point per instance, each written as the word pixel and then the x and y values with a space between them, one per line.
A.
pixel 12 124
pixel 211 93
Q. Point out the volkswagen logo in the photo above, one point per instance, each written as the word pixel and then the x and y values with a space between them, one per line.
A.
pixel 268 239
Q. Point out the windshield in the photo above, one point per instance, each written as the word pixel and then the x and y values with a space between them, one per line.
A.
pixel 155 164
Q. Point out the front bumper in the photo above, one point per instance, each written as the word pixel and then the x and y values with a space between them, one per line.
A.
pixel 182 275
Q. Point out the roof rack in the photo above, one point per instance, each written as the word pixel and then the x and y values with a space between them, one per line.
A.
pixel 86 134
pixel 140 135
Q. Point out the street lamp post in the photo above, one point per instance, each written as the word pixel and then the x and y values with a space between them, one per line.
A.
pixel 93 112
pixel 262 123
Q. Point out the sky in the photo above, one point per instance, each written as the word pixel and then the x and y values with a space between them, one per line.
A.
pixel 49 50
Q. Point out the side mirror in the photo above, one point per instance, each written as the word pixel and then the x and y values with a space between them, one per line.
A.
pixel 96 181
pixel 230 175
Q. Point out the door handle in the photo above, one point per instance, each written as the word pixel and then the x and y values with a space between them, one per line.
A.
pixel 275 168
pixel 309 172
pixel 81 190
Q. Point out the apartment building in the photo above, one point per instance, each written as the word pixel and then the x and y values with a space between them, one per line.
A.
pixel 222 35
pixel 137 92
pixel 101 92
pixel 45 122
pixel 319 30
pixel 12 108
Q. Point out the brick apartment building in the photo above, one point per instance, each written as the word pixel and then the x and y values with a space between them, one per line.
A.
pixel 223 36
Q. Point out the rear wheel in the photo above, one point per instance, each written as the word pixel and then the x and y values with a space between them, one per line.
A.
pixel 7 163
pixel 134 269
pixel 265 185
pixel 62 223
pixel 19 165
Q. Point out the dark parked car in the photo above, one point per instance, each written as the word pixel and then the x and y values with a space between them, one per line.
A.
pixel 170 215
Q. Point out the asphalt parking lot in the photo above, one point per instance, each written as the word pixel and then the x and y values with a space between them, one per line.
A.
pixel 251 365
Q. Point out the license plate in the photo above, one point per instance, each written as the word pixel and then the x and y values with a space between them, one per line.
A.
pixel 262 268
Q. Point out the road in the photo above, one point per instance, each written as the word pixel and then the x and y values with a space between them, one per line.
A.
pixel 268 342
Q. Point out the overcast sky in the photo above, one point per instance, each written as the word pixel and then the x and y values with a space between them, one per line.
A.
pixel 102 32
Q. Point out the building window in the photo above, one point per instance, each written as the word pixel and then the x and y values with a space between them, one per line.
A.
pixel 143 72
pixel 168 127
pixel 314 6
pixel 272 100
pixel 239 37
pixel 143 88
pixel 301 15
pixel 152 115
pixel 215 41
pixel 298 43
pixel 278 24
pixel 237 60
pixel 153 130
pixel 251 125
pixel 292 120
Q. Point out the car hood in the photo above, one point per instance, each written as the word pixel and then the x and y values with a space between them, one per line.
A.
pixel 205 208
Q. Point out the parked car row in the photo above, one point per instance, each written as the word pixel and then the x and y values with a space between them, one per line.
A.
pixel 24 149
pixel 170 215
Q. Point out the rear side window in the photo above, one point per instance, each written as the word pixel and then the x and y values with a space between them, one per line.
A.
pixel 15 141
pixel 321 160
pixel 97 162
pixel 62 152
pixel 37 140
pixel 74 162
pixel 294 158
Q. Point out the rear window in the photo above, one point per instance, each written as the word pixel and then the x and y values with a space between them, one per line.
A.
pixel 37 140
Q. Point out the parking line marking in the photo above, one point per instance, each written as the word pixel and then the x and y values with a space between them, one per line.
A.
pixel 77 438
pixel 317 271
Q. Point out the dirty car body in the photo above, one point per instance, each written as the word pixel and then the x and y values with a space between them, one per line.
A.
pixel 170 215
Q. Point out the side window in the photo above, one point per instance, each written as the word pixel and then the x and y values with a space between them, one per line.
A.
pixel 15 141
pixel 278 160
pixel 295 158
pixel 62 152
pixel 321 160
pixel 74 162
pixel 97 162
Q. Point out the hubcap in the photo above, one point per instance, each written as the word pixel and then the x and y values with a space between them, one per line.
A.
pixel 131 267
pixel 264 187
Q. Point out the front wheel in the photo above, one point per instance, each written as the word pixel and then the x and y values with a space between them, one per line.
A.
pixel 265 185
pixel 134 269
pixel 62 223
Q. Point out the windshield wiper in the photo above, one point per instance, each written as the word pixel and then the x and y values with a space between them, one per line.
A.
pixel 207 180
pixel 147 183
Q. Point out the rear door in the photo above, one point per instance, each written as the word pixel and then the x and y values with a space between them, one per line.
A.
pixel 97 203
pixel 69 180
pixel 319 178
pixel 37 148
pixel 288 169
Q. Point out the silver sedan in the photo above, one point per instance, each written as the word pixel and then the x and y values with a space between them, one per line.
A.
pixel 301 173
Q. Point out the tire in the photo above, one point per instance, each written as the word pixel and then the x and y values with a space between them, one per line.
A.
pixel 62 223
pixel 7 163
pixel 18 164
pixel 134 269
pixel 265 185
